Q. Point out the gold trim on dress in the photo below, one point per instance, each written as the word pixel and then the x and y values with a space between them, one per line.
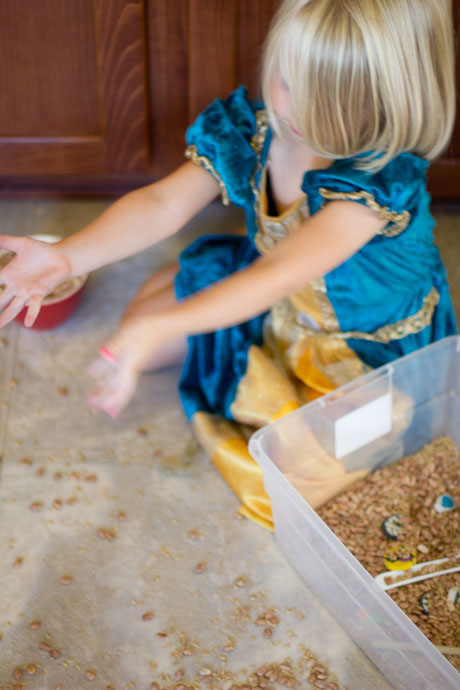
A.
pixel 397 221
pixel 258 139
pixel 393 331
pixel 191 152
pixel 330 320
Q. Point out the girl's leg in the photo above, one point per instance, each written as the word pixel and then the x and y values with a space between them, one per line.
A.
pixel 156 293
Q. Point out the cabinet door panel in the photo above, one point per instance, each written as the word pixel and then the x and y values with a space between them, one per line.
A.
pixel 73 87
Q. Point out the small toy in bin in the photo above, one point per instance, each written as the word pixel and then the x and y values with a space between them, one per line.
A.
pixel 60 303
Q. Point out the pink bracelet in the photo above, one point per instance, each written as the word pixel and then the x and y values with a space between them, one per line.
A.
pixel 105 352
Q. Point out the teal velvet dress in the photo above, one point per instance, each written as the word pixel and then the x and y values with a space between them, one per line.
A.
pixel 387 300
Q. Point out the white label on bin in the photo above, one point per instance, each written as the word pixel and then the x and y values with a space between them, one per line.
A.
pixel 356 429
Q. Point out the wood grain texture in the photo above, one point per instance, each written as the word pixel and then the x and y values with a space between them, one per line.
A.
pixel 444 174
pixel 198 50
pixel 123 84
pixel 168 68
pixel 213 36
pixel 77 99
pixel 253 24
pixel 48 69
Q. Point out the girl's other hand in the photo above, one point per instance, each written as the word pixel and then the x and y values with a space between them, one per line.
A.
pixel 30 276
pixel 122 360
pixel 116 381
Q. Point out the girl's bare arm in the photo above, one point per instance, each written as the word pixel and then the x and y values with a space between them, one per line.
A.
pixel 138 220
pixel 322 242
pixel 141 218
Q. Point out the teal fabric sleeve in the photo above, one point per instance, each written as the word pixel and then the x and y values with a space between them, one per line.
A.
pixel 399 188
pixel 222 135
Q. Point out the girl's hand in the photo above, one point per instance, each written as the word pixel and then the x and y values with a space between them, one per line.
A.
pixel 30 276
pixel 122 360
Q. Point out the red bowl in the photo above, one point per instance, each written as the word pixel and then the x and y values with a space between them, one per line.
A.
pixel 61 303
pixel 55 310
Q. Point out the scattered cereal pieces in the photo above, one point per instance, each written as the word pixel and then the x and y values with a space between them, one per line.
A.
pixel 268 632
pixel 200 568
pixel 34 625
pixel 240 581
pixel 105 533
pixel 26 461
pixel 142 431
pixel 40 472
pixel 55 653
pixel 31 669
pixel 91 478
pixel 57 504
pixel 18 562
pixel 205 671
pixel 148 616
pixel 121 515
pixel 44 646
pixel 193 534
pixel 17 673
pixel 62 390
pixel 36 505
pixel 57 475
pixel 66 579
pixel 90 674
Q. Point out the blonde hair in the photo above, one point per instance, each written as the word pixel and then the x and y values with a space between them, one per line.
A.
pixel 365 75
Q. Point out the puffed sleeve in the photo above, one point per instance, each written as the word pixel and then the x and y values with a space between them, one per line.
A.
pixel 220 141
pixel 395 193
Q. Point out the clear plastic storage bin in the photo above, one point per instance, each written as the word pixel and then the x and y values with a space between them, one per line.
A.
pixel 378 419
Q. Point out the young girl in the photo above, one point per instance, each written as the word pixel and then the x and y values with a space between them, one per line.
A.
pixel 337 272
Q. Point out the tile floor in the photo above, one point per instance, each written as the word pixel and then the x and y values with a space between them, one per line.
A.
pixel 53 443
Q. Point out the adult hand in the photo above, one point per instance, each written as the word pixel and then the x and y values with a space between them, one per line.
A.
pixel 30 276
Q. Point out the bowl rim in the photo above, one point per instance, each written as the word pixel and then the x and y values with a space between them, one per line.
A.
pixel 79 283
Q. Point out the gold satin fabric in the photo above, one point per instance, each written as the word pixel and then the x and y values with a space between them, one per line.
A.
pixel 266 394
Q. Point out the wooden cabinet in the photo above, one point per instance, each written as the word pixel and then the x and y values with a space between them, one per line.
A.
pixel 72 79
pixel 444 175
pixel 97 94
